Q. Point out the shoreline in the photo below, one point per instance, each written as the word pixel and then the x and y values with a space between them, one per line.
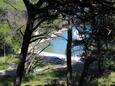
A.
pixel 60 56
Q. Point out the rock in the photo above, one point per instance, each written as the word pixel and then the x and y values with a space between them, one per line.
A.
pixel 53 60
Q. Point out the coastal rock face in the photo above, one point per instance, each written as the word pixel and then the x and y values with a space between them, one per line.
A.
pixel 53 60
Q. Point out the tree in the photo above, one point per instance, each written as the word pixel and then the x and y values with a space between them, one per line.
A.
pixel 85 10
pixel 69 53
pixel 10 36
pixel 97 14
pixel 7 40
pixel 35 13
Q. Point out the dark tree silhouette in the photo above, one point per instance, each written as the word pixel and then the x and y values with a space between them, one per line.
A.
pixel 32 10
pixel 69 53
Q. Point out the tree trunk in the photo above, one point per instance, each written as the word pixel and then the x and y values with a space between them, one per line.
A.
pixel 99 57
pixel 84 73
pixel 69 45
pixel 24 50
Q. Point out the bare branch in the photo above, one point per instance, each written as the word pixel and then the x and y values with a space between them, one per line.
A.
pixel 35 57
pixel 41 37
pixel 60 36
pixel 39 3
pixel 19 29
pixel 42 20
pixel 48 17
pixel 32 50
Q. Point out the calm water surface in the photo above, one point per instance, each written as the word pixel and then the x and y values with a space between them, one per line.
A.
pixel 58 45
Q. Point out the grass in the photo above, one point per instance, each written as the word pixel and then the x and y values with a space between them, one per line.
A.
pixel 47 76
pixel 43 78
pixel 39 79
pixel 5 61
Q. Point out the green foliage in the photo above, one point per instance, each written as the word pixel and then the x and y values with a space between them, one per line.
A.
pixel 112 77
pixel 104 81
pixel 109 63
pixel 5 30
pixel 8 38
pixel 52 24
pixel 107 80
pixel 16 44
pixel 5 61
pixel 18 4
pixel 1 40
pixel 3 35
